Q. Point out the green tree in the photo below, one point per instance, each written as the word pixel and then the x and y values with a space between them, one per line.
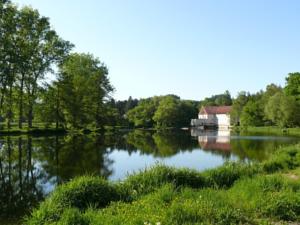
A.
pixel 292 87
pixel 283 110
pixel 237 107
pixel 39 48
pixel 142 114
pixel 49 109
pixel 217 100
pixel 84 89
pixel 167 113
pixel 8 58
pixel 252 115
pixel 29 48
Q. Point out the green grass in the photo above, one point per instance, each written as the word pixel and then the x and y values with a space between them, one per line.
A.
pixel 235 193
pixel 269 130
pixel 43 128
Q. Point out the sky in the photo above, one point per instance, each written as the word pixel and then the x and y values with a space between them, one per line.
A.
pixel 191 48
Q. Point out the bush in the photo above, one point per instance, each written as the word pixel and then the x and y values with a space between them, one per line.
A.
pixel 225 176
pixel 85 191
pixel 287 158
pixel 148 180
pixel 80 193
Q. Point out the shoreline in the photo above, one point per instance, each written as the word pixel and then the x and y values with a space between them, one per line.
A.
pixel 235 193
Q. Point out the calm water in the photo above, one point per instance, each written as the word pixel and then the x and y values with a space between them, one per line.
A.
pixel 31 167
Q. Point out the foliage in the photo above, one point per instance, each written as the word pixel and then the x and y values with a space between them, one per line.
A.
pixel 162 112
pixel 270 107
pixel 237 107
pixel 148 180
pixel 29 49
pixel 252 114
pixel 226 175
pixel 292 87
pixel 217 100
pixel 289 158
pixel 80 193
pixel 83 86
pixel 142 114
pixel 283 110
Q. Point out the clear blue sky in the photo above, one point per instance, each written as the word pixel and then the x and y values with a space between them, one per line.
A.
pixel 189 48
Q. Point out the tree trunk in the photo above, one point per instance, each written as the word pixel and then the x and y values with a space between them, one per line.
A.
pixel 21 102
pixel 30 115
pixel 57 110
pixel 9 113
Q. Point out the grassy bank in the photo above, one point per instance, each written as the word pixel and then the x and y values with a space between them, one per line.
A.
pixel 42 129
pixel 236 193
pixel 269 130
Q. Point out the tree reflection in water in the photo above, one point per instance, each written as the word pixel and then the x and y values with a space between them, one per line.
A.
pixel 30 167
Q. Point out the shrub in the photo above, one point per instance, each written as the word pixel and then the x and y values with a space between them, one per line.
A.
pixel 226 175
pixel 286 158
pixel 85 191
pixel 273 166
pixel 80 193
pixel 148 180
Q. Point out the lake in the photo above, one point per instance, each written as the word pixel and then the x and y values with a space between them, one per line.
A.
pixel 31 166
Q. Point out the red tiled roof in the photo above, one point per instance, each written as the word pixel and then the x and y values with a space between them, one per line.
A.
pixel 215 110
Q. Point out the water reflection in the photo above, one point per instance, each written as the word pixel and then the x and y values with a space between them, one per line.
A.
pixel 244 147
pixel 30 167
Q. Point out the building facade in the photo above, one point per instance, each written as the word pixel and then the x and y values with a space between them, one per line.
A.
pixel 213 116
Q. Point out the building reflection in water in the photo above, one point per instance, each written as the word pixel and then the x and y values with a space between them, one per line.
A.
pixel 218 140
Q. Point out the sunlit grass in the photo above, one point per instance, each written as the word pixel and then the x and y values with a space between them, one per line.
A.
pixel 235 193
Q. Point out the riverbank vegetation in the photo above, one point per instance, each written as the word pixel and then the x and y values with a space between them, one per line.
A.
pixel 276 106
pixel 236 193
pixel 270 130
pixel 79 94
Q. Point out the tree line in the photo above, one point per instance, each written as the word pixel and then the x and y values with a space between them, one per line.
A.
pixel 79 97
pixel 29 50
pixel 162 112
pixel 276 105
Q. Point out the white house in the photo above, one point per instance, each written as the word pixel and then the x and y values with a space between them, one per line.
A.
pixel 213 116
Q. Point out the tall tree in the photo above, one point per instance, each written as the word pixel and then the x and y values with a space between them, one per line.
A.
pixel 84 88
pixel 167 113
pixel 8 57
pixel 292 87
pixel 237 107
pixel 252 114
pixel 283 110
pixel 142 114
pixel 217 100
pixel 39 48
